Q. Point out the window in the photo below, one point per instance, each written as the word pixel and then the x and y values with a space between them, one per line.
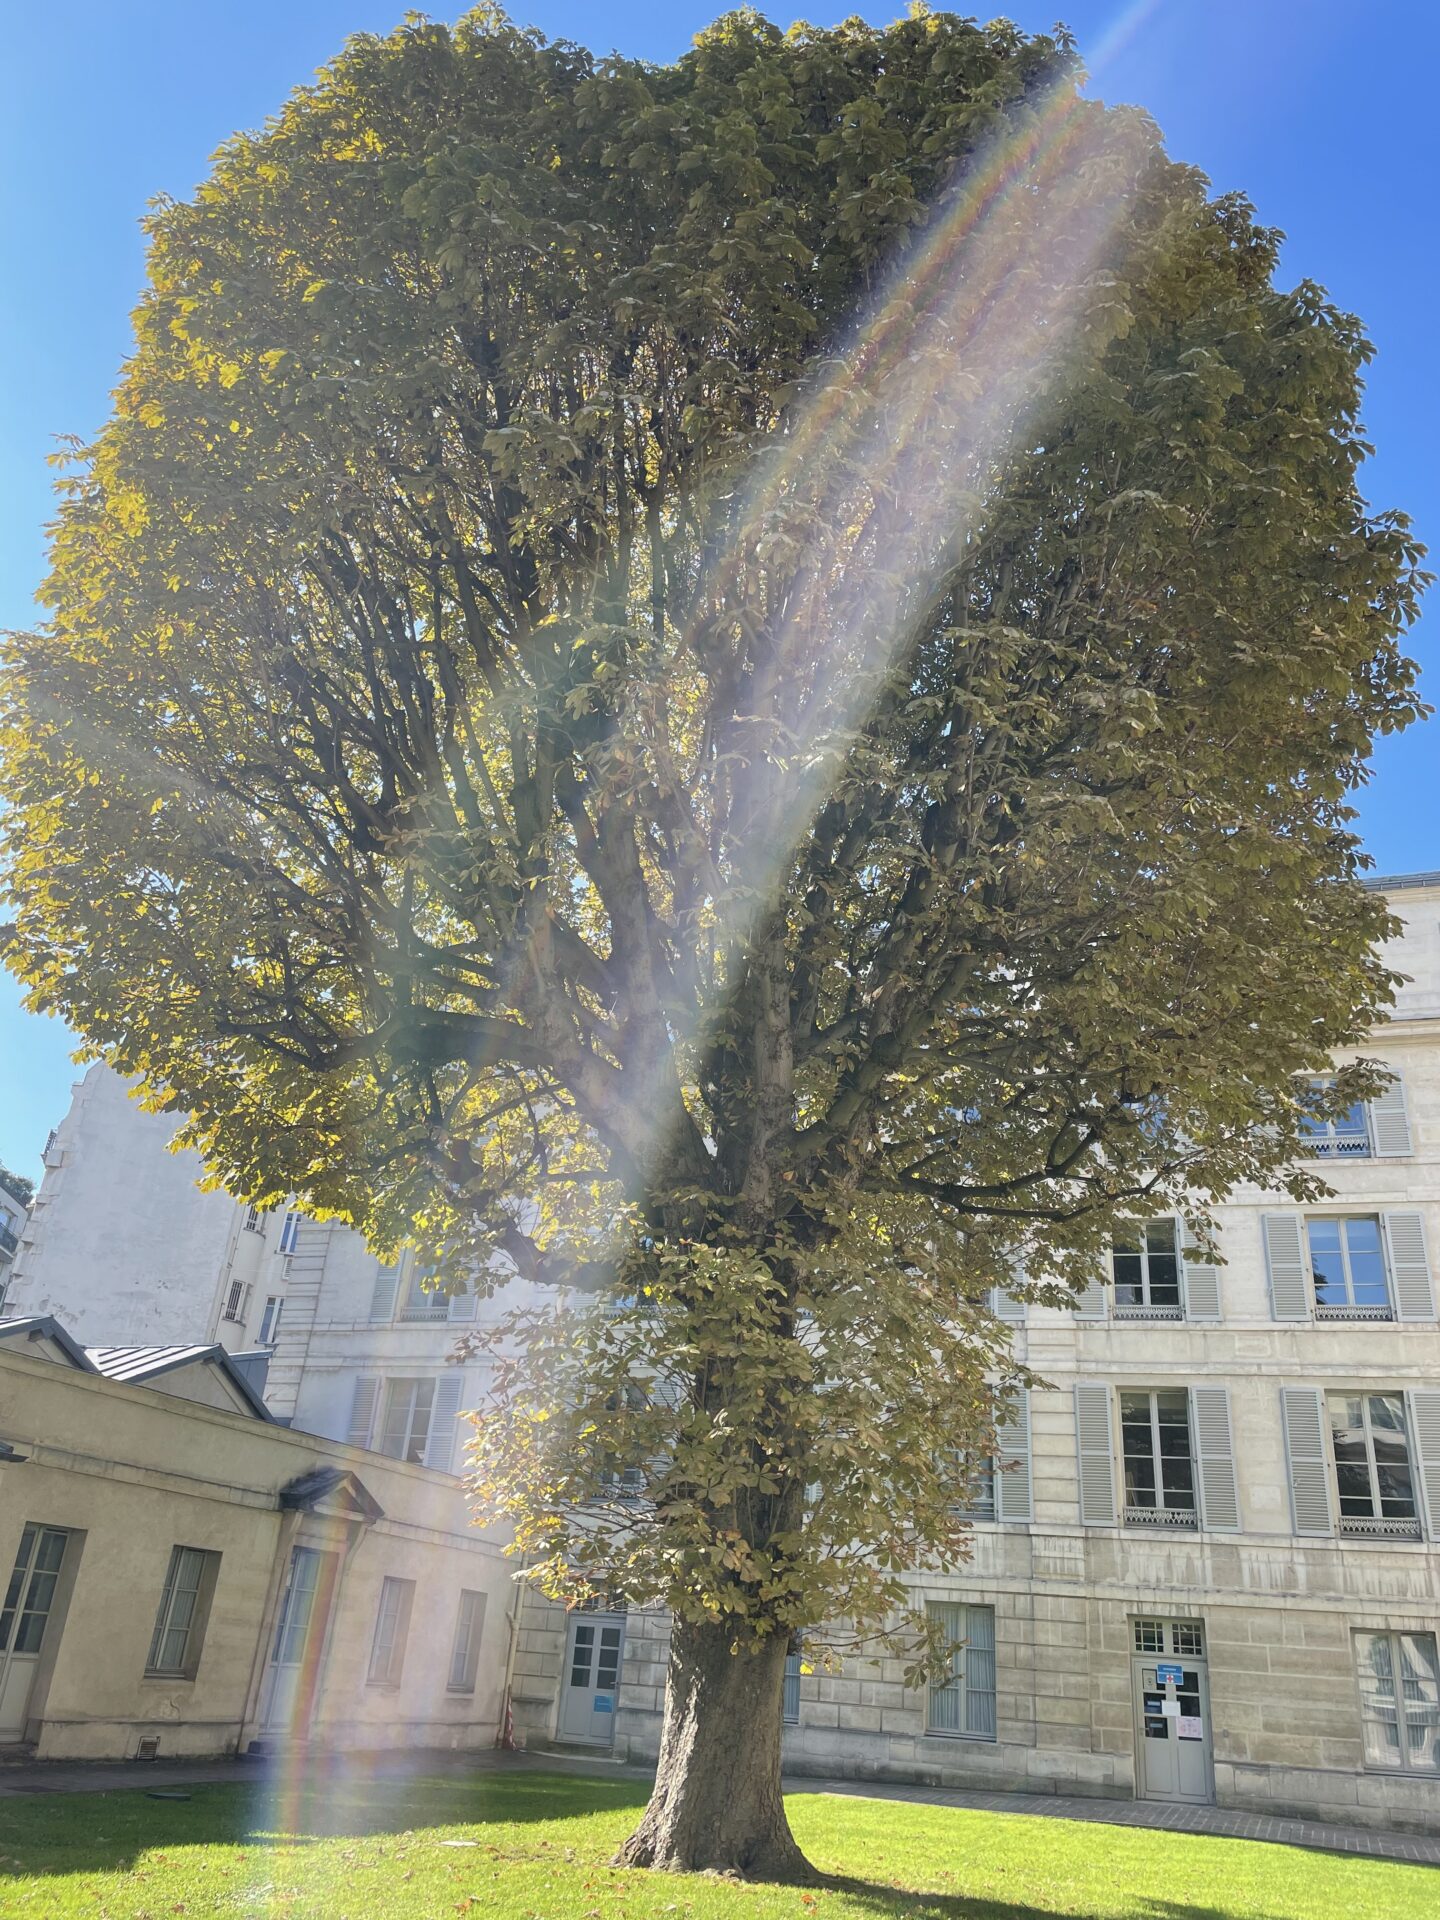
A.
pixel 184 1603
pixel 964 1703
pixel 270 1320
pixel 1347 1138
pixel 1373 1475
pixel 1145 1262
pixel 1347 1263
pixel 1159 1466
pixel 418 1303
pixel 237 1301
pixel 253 1219
pixel 1401 1721
pixel 405 1420
pixel 1182 1638
pixel 290 1232
pixel 790 1704
pixel 465 1653
pixel 392 1624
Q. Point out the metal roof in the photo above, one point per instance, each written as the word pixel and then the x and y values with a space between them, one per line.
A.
pixel 1398 882
pixel 136 1366
pixel 45 1326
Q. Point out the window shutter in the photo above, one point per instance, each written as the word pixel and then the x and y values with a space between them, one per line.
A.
pixel 440 1448
pixel 1090 1304
pixel 1409 1268
pixel 382 1300
pixel 362 1409
pixel 1012 1482
pixel 1425 1426
pixel 1303 1415
pixel 1199 1282
pixel 462 1305
pixel 1390 1123
pixel 1219 1499
pixel 1285 1263
pixel 1005 1307
pixel 1097 1462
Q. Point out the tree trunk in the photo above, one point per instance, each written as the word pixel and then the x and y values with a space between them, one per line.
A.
pixel 716 1806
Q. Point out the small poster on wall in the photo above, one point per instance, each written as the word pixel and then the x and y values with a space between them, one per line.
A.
pixel 1190 1727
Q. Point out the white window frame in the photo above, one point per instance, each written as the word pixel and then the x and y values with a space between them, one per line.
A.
pixel 270 1319
pixel 1324 1143
pixel 413 1387
pixel 254 1220
pixel 790 1693
pixel 465 1647
pixel 415 1305
pixel 289 1231
pixel 392 1630
pixel 1348 1310
pixel 1145 1308
pixel 237 1302
pixel 1377 1526
pixel 1407 1763
pixel 183 1610
pixel 1162 1514
pixel 958 1697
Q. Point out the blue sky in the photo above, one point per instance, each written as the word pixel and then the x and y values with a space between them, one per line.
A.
pixel 1323 111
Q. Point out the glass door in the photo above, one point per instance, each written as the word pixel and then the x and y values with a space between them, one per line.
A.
pixel 29 1603
pixel 293 1673
pixel 592 1678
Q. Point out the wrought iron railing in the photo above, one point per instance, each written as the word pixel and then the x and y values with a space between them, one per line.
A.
pixel 1144 1312
pixel 1363 1527
pixel 1160 1517
pixel 1348 1311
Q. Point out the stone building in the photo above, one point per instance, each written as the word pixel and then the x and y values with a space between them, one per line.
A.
pixel 185 1576
pixel 14 1212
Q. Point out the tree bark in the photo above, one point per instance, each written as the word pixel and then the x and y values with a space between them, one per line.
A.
pixel 716 1805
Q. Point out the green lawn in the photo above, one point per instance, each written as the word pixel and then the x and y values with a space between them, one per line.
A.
pixel 531 1846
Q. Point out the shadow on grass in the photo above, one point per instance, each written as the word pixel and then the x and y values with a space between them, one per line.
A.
pixel 871 1897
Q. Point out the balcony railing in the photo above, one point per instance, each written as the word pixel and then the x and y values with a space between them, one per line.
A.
pixel 1160 1517
pixel 1361 1527
pixel 1350 1312
pixel 9 1239
pixel 1340 1147
pixel 1142 1311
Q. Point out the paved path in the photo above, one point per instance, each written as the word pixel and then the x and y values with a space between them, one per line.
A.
pixel 19 1778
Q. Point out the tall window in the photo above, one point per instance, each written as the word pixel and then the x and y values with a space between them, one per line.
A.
pixel 253 1218
pixel 1347 1260
pixel 237 1301
pixel 418 1303
pixel 1159 1467
pixel 405 1419
pixel 964 1702
pixel 1347 1138
pixel 1373 1475
pixel 790 1702
pixel 180 1622
pixel 1145 1262
pixel 392 1624
pixel 290 1232
pixel 270 1320
pixel 465 1652
pixel 1399 1700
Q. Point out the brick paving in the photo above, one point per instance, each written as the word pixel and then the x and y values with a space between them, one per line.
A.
pixel 19 1778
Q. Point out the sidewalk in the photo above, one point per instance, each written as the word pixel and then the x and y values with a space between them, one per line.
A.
pixel 22 1778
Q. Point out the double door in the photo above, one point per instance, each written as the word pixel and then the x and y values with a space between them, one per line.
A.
pixel 1172 1723
pixel 591 1681
pixel 25 1622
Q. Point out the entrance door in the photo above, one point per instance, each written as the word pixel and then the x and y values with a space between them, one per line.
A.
pixel 1172 1713
pixel 290 1680
pixel 29 1602
pixel 592 1678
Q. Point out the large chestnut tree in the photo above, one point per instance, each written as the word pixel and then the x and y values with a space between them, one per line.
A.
pixel 732 687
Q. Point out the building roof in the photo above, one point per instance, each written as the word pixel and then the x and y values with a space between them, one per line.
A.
pixel 138 1366
pixel 44 1326
pixel 1398 882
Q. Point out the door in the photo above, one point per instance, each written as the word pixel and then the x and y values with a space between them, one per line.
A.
pixel 1172 1719
pixel 29 1603
pixel 294 1669
pixel 592 1678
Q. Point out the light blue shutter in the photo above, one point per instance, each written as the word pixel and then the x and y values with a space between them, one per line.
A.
pixel 1409 1268
pixel 1390 1123
pixel 1199 1281
pixel 1090 1303
pixel 362 1410
pixel 1005 1307
pixel 382 1300
pixel 1219 1498
pixel 462 1305
pixel 1285 1264
pixel 1425 1427
pixel 1096 1455
pixel 1012 1480
pixel 1303 1416
pixel 440 1447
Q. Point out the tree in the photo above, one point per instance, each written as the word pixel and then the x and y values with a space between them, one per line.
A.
pixel 734 685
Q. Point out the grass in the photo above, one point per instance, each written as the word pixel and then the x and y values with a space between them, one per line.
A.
pixel 533 1846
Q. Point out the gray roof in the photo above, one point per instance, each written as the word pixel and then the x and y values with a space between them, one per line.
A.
pixel 1398 882
pixel 136 1366
pixel 45 1326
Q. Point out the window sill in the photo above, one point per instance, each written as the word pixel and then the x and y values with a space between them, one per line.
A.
pixel 970 1739
pixel 461 1693
pixel 158 1677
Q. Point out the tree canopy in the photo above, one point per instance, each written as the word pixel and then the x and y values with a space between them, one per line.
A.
pixel 736 684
